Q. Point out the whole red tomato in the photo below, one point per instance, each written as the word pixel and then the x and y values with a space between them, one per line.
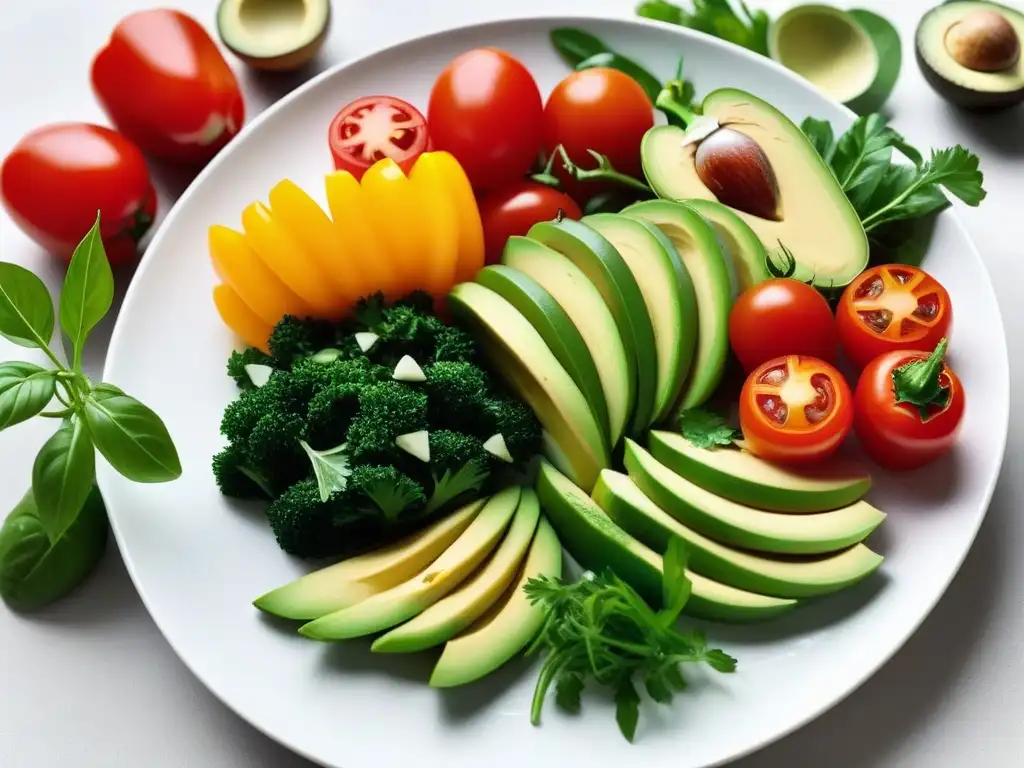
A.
pixel 892 307
pixel 374 127
pixel 597 109
pixel 781 317
pixel 163 82
pixel 486 110
pixel 909 406
pixel 795 410
pixel 514 208
pixel 57 177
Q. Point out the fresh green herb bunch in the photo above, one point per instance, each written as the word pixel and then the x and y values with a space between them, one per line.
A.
pixel 55 536
pixel 359 431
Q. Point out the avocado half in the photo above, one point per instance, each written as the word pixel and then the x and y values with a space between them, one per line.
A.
pixel 970 53
pixel 277 35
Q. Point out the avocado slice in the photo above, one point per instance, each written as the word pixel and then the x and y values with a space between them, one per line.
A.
pixel 508 626
pixel 740 243
pixel 742 477
pixel 582 302
pixel 817 223
pixel 668 293
pixel 450 615
pixel 520 355
pixel 713 284
pixel 607 270
pixel 627 505
pixel 597 543
pixel 551 322
pixel 351 581
pixel 276 36
pixel 746 527
pixel 395 605
pixel 970 53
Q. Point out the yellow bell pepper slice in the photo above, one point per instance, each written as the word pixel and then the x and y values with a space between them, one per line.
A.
pixel 239 318
pixel 238 267
pixel 307 223
pixel 283 254
pixel 430 179
pixel 361 245
pixel 471 230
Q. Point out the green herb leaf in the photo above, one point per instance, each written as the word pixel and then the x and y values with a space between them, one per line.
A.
pixel 62 476
pixel 647 81
pixel 568 691
pixel 748 29
pixel 393 498
pixel 627 707
pixel 131 437
pixel 658 687
pixel 25 389
pixel 26 309
pixel 720 661
pixel 674 677
pixel 575 45
pixel 88 291
pixel 705 429
pixel 470 477
pixel 675 585
pixel 660 10
pixel 869 141
pixel 819 133
pixel 330 467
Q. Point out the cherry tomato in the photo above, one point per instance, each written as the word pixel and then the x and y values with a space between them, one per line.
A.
pixel 599 109
pixel 375 127
pixel 486 110
pixel 909 406
pixel 163 82
pixel 57 177
pixel 781 317
pixel 892 307
pixel 795 410
pixel 514 208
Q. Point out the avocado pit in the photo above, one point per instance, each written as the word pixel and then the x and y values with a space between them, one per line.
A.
pixel 736 169
pixel 983 41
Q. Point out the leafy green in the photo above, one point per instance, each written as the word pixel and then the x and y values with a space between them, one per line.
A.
pixel 469 477
pixel 392 493
pixel 331 468
pixel 88 291
pixel 600 629
pixel 25 389
pixel 612 60
pixel 706 429
pixel 745 28
pixel 582 50
pixel 62 476
pixel 26 309
pixel 131 437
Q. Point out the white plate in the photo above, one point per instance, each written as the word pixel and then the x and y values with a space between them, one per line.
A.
pixel 198 561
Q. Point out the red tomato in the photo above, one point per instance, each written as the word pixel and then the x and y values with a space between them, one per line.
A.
pixel 781 317
pixel 164 84
pixel 375 127
pixel 486 110
pixel 600 109
pixel 514 208
pixel 892 307
pixel 57 177
pixel 894 431
pixel 795 410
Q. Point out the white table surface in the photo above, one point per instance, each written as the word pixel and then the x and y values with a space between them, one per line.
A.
pixel 91 683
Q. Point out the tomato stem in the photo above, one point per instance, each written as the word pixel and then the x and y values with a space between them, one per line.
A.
pixel 605 171
pixel 546 177
pixel 919 382
pixel 672 102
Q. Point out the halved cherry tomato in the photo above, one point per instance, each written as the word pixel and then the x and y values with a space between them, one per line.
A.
pixel 57 177
pixel 514 208
pixel 486 110
pixel 781 317
pixel 376 127
pixel 909 406
pixel 164 83
pixel 892 307
pixel 795 410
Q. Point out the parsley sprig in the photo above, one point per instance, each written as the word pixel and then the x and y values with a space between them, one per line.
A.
pixel 706 429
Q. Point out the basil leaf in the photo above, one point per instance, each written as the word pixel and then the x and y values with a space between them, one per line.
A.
pixel 88 290
pixel 819 133
pixel 25 389
pixel 861 188
pixel 661 10
pixel 574 45
pixel 34 572
pixel 131 437
pixel 647 81
pixel 62 476
pixel 26 309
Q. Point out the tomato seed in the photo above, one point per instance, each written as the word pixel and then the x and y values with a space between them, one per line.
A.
pixel 927 307
pixel 876 319
pixel 870 289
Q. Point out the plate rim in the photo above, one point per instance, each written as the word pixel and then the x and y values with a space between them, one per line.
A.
pixel 105 476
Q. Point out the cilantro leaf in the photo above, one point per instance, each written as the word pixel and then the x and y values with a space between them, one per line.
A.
pixel 675 585
pixel 819 133
pixel 627 707
pixel 469 477
pixel 331 468
pixel 745 28
pixel 568 690
pixel 393 496
pixel 706 429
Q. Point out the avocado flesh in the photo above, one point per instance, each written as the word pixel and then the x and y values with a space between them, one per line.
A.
pixel 582 302
pixel 451 568
pixel 668 294
pixel 552 323
pixel 742 526
pixel 607 270
pixel 508 626
pixel 520 355
pixel 961 85
pixel 741 244
pixel 793 577
pixel 450 615
pixel 818 224
pixel 274 35
pixel 354 580
pixel 713 283
pixel 597 543
pixel 742 477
